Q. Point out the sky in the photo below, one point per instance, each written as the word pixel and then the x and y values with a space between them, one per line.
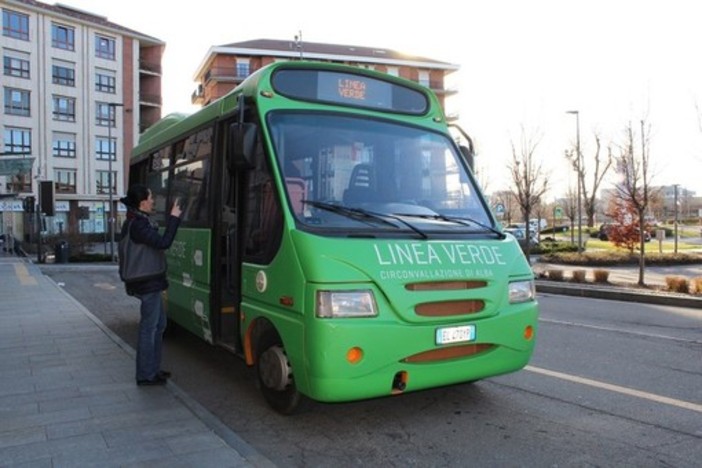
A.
pixel 523 65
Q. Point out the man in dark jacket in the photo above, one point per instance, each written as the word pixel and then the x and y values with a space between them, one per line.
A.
pixel 142 230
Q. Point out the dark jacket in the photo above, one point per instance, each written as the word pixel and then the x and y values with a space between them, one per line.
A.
pixel 145 231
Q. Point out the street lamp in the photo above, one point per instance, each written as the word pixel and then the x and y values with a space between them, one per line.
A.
pixel 113 121
pixel 675 203
pixel 577 169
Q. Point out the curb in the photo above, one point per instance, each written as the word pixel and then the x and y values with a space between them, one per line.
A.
pixel 619 294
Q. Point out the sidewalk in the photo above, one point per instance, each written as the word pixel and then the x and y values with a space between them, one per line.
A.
pixel 622 282
pixel 68 396
pixel 626 275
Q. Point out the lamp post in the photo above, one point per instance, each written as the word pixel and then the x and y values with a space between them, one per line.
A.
pixel 577 169
pixel 113 121
pixel 675 203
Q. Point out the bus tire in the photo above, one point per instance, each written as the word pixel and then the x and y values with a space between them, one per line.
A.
pixel 275 375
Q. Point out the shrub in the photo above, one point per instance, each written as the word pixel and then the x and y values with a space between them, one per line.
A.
pixel 601 276
pixel 697 285
pixel 677 284
pixel 621 258
pixel 555 275
pixel 579 276
pixel 551 247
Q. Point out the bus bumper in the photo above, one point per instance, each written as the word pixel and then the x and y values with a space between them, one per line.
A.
pixel 396 358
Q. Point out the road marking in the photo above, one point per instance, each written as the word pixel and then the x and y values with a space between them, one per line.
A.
pixel 619 330
pixel 618 389
pixel 23 275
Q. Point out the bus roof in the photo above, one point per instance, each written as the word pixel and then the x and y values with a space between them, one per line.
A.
pixel 176 124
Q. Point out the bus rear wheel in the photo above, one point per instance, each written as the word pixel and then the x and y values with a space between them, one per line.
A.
pixel 275 375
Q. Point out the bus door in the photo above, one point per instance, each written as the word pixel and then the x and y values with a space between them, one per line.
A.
pixel 228 249
pixel 251 221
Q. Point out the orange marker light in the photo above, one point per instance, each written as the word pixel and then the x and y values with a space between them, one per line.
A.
pixel 529 332
pixel 354 355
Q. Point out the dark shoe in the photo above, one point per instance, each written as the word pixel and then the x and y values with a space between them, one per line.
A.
pixel 158 380
pixel 163 374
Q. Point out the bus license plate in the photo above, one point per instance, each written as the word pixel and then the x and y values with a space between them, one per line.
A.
pixel 455 334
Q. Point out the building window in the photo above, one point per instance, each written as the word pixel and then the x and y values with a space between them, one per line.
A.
pixel 17 102
pixel 13 66
pixel 106 149
pixel 65 180
pixel 64 145
pixel 63 37
pixel 15 25
pixel 104 115
pixel 105 82
pixel 63 75
pixel 104 47
pixel 103 182
pixel 64 109
pixel 18 141
pixel 20 183
pixel 393 71
pixel 423 78
pixel 242 68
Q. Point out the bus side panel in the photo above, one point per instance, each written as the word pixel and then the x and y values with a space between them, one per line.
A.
pixel 189 279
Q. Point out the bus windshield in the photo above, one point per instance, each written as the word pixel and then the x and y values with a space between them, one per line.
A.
pixel 354 173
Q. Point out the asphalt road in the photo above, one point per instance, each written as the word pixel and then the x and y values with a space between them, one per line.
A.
pixel 610 384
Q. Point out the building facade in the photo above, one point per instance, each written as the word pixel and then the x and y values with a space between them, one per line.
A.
pixel 77 91
pixel 225 66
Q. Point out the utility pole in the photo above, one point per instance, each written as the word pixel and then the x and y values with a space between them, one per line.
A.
pixel 675 207
pixel 577 169
pixel 113 121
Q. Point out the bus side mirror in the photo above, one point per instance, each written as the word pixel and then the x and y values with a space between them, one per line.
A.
pixel 242 146
pixel 467 155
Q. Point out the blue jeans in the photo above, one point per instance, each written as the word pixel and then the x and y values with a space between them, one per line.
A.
pixel 151 327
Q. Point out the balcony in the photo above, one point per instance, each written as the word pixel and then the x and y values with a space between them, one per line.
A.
pixel 150 99
pixel 150 67
pixel 438 87
pixel 226 74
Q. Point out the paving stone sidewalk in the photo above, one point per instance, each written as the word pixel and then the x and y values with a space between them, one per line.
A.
pixel 68 396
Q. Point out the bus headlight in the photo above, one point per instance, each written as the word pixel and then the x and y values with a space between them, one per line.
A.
pixel 521 291
pixel 358 303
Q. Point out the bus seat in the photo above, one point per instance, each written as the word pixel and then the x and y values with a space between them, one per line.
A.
pixel 361 184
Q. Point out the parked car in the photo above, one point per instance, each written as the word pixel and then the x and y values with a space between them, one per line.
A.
pixel 520 235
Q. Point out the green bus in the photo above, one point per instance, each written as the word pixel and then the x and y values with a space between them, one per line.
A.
pixel 334 236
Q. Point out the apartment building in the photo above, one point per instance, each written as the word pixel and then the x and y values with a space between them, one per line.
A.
pixel 77 91
pixel 225 66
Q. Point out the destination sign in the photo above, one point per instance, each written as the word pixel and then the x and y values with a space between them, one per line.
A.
pixel 349 89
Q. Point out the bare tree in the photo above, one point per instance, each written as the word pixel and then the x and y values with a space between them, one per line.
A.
pixel 528 178
pixel 570 209
pixel 634 186
pixel 599 166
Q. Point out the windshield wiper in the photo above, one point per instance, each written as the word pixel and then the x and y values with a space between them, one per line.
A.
pixel 459 220
pixel 353 213
pixel 359 213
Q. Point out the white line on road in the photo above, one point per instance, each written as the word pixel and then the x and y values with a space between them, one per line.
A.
pixel 619 330
pixel 616 388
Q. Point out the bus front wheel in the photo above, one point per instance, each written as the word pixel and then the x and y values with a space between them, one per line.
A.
pixel 275 375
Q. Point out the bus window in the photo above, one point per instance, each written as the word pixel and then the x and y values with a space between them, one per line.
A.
pixel 190 186
pixel 264 221
pixel 157 181
pixel 191 174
